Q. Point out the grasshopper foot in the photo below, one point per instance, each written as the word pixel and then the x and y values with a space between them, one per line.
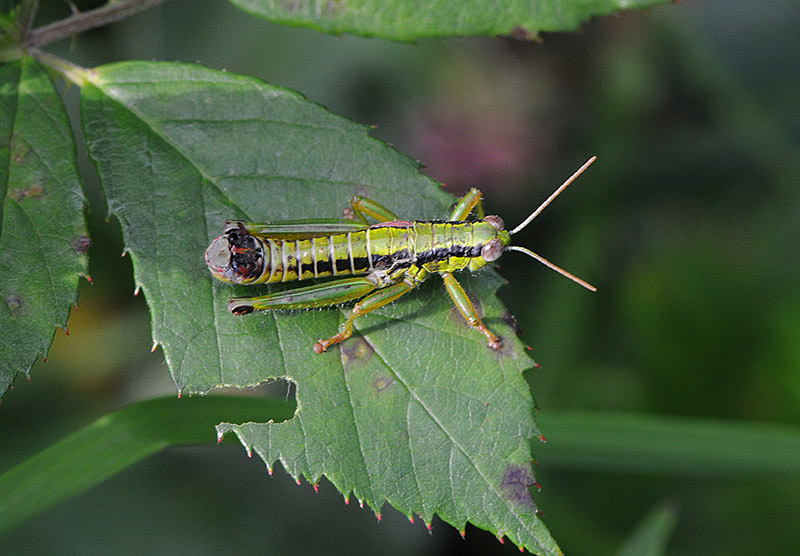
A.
pixel 319 347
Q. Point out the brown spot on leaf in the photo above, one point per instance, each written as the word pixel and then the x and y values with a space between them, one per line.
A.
pixel 80 244
pixel 382 383
pixel 21 153
pixel 515 485
pixel 34 192
pixel 14 303
pixel 511 321
pixel 355 350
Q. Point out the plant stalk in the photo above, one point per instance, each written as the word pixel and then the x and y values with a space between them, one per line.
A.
pixel 111 12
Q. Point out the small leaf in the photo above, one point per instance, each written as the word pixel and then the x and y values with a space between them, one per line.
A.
pixel 412 19
pixel 414 409
pixel 43 238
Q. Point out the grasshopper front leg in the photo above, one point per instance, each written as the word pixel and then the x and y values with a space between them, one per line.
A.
pixel 467 310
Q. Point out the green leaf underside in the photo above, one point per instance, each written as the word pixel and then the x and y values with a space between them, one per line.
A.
pixel 43 238
pixel 411 19
pixel 414 409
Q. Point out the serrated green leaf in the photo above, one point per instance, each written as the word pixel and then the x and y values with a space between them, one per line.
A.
pixel 43 238
pixel 407 20
pixel 413 410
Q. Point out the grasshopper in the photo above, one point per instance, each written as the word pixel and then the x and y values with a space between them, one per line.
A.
pixel 394 256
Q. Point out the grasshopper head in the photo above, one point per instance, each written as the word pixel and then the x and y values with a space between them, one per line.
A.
pixel 236 257
pixel 491 236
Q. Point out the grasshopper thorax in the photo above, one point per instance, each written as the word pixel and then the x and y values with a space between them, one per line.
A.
pixel 236 257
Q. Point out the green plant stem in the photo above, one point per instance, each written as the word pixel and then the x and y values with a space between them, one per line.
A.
pixel 118 440
pixel 111 12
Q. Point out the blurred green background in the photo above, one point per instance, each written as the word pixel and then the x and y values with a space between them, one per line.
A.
pixel 687 223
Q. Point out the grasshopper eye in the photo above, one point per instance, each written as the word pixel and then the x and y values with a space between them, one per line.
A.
pixel 496 222
pixel 492 250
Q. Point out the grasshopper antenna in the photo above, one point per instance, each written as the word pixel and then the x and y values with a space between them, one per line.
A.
pixel 555 194
pixel 535 213
pixel 550 265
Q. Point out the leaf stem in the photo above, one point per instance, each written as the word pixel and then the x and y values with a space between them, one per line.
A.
pixel 111 12
pixel 77 74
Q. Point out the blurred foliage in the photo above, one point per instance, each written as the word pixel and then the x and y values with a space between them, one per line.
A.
pixel 687 224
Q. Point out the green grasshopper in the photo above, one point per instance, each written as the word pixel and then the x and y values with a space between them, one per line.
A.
pixel 394 255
